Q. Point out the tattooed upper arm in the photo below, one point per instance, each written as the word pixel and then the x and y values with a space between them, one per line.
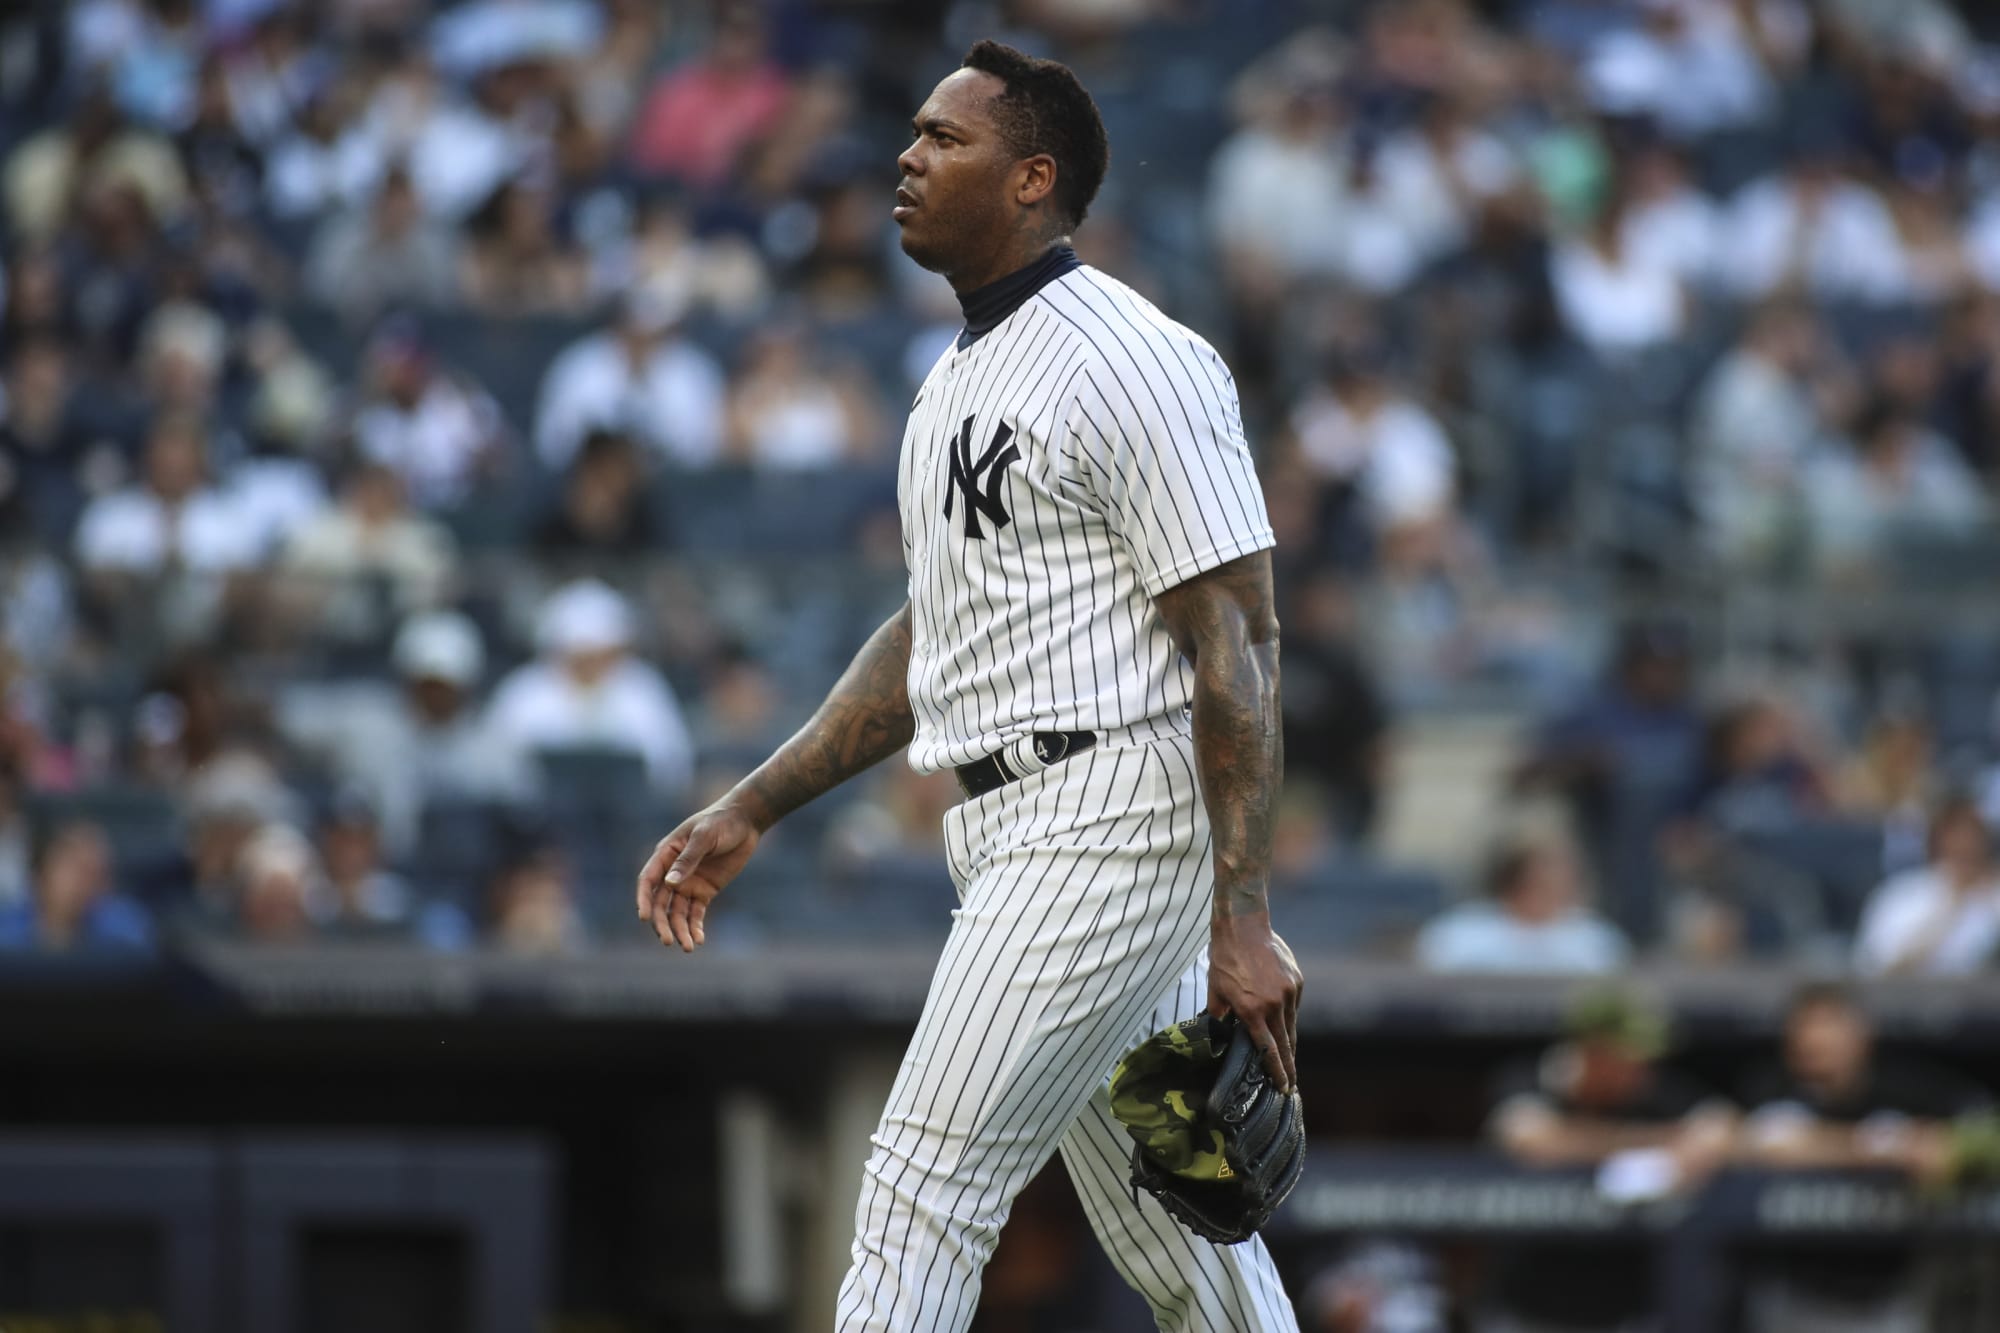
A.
pixel 1229 605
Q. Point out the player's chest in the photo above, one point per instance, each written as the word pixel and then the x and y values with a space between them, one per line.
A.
pixel 983 474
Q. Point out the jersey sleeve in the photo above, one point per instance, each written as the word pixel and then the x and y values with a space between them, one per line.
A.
pixel 1161 446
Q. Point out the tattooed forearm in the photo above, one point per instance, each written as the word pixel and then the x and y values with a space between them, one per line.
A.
pixel 864 720
pixel 1224 623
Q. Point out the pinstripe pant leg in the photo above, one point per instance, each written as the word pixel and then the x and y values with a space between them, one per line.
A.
pixel 1084 897
pixel 1192 1286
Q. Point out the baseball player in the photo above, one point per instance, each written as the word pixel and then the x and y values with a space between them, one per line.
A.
pixel 1089 643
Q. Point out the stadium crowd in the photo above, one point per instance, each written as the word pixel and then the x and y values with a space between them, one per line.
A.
pixel 438 439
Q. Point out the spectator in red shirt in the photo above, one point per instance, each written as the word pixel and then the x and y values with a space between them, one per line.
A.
pixel 698 119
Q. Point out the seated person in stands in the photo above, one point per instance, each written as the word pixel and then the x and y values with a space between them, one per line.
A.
pixel 1600 1099
pixel 277 874
pixel 1831 1102
pixel 601 514
pixel 423 744
pixel 588 689
pixel 72 904
pixel 1533 918
pixel 1942 918
pixel 357 897
pixel 532 903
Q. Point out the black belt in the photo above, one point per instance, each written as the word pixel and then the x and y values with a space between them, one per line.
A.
pixel 1051 747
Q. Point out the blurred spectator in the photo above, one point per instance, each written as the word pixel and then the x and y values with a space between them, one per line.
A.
pixel 224 807
pixel 371 538
pixel 328 163
pixel 641 377
pixel 1621 758
pixel 1756 421
pixel 442 434
pixel 87 155
pixel 899 821
pixel 174 519
pixel 1601 1099
pixel 357 897
pixel 1534 919
pixel 1808 226
pixel 1668 224
pixel 277 878
pixel 1276 187
pixel 790 409
pixel 1756 771
pixel 224 167
pixel 1943 918
pixel 427 742
pixel 603 512
pixel 1336 721
pixel 1896 479
pixel 1378 1287
pixel 182 346
pixel 72 904
pixel 368 259
pixel 1892 776
pixel 532 905
pixel 588 690
pixel 1616 297
pixel 41 445
pixel 1834 1102
pixel 699 119
pixel 16 854
pixel 1697 68
pixel 1386 458
pixel 515 262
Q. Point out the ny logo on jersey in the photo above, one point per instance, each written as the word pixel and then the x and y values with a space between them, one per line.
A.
pixel 965 473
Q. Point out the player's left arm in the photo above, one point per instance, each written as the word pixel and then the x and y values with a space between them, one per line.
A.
pixel 1225 624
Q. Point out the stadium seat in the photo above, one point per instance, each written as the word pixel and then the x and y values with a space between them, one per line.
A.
pixel 1356 903
pixel 1843 858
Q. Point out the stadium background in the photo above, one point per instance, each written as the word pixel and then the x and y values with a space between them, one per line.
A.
pixel 438 443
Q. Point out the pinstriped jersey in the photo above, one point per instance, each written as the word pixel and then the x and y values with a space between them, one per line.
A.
pixel 1057 474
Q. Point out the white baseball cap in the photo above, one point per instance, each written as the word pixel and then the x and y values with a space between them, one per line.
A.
pixel 440 645
pixel 584 617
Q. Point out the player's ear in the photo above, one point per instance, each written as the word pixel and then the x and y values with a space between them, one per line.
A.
pixel 1037 180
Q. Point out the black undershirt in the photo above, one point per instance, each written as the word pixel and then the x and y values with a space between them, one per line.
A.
pixel 986 306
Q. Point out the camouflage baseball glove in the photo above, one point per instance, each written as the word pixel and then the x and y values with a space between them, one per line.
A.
pixel 1216 1143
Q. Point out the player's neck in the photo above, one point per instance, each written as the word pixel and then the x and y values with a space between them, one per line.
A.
pixel 989 303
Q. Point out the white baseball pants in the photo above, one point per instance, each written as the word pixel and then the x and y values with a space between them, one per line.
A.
pixel 1082 929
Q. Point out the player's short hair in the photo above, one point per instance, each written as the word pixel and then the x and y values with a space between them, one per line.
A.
pixel 1046 110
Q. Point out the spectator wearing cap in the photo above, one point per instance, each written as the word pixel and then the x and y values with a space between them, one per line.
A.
pixel 385 254
pixel 1601 1098
pixel 1941 918
pixel 358 897
pixel 588 690
pixel 172 519
pixel 440 433
pixel 1533 919
pixel 72 902
pixel 426 742
pixel 640 377
pixel 225 806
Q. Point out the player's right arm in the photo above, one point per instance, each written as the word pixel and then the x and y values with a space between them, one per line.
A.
pixel 864 720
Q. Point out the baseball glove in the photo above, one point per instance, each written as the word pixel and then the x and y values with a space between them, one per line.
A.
pixel 1215 1142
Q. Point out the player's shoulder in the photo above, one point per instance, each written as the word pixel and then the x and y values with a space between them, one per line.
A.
pixel 1116 325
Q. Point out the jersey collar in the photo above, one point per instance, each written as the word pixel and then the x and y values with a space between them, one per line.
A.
pixel 986 306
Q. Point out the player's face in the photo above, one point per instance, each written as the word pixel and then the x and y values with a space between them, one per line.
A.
pixel 956 177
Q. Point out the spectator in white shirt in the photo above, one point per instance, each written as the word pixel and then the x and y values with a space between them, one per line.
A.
pixel 588 690
pixel 1756 420
pixel 1900 477
pixel 1533 919
pixel 789 409
pixel 1941 919
pixel 1357 429
pixel 439 434
pixel 372 534
pixel 1613 297
pixel 385 254
pixel 172 519
pixel 1669 224
pixel 1810 226
pixel 640 378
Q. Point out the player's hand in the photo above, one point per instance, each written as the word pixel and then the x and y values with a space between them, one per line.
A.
pixel 688 868
pixel 1252 974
